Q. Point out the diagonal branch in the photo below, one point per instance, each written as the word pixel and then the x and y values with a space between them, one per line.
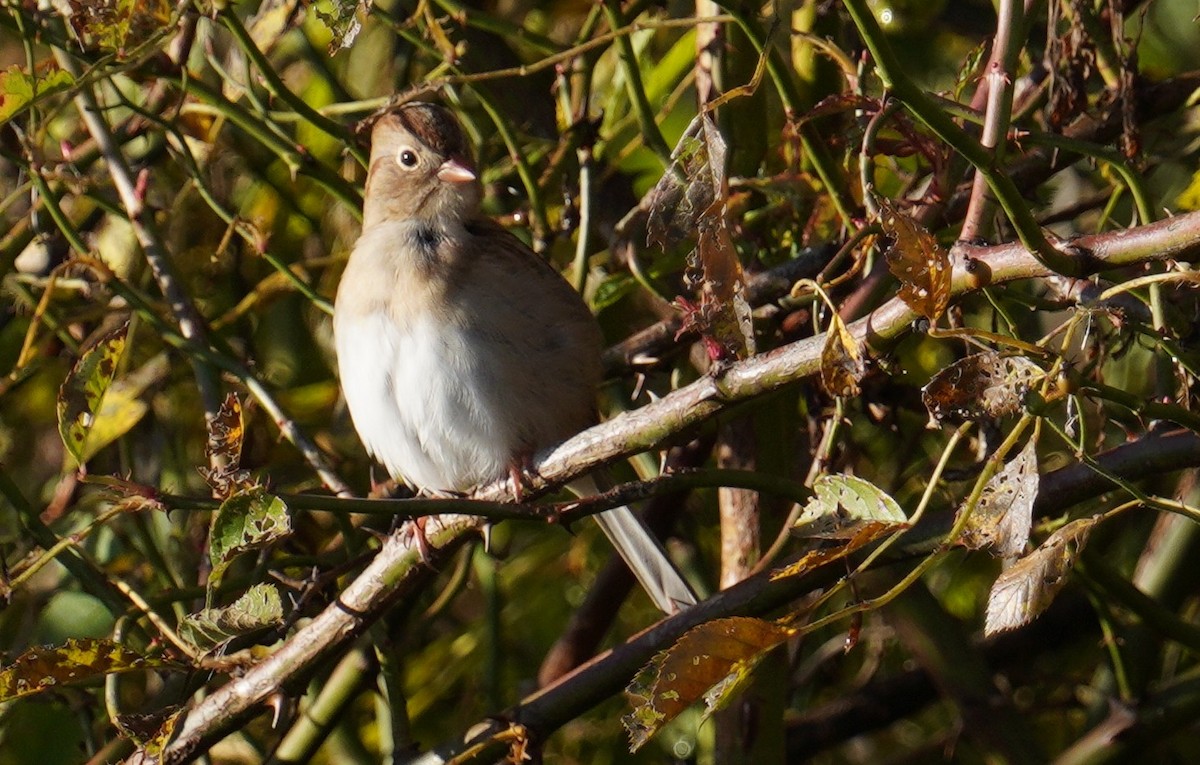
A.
pixel 396 570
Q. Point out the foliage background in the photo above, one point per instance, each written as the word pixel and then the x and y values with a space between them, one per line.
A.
pixel 234 127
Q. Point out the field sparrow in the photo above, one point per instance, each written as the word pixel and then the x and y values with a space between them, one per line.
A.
pixel 461 352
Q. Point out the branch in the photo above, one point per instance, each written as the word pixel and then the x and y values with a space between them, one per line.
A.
pixel 395 569
pixel 975 267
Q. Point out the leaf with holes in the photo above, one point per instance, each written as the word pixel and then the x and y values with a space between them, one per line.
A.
pixel 1003 516
pixel 1029 586
pixel 842 362
pixel 248 520
pixel 687 190
pixel 343 22
pixel 984 386
pixel 118 26
pixel 78 659
pixel 920 264
pixel 842 504
pixel 82 393
pixel 212 628
pixel 226 434
pixel 690 201
pixel 708 662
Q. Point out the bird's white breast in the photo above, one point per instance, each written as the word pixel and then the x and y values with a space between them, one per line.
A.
pixel 423 399
pixel 415 398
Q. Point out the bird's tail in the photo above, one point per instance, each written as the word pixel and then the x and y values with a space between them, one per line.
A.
pixel 643 554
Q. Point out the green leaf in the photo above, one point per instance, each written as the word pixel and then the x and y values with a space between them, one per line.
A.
pixel 342 20
pixel 81 394
pixel 259 608
pixel 248 520
pixel 43 668
pixel 19 89
pixel 841 504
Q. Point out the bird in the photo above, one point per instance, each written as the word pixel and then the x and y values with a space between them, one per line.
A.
pixel 462 353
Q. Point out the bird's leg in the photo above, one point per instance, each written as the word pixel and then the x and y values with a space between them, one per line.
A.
pixel 521 471
pixel 416 530
pixel 416 526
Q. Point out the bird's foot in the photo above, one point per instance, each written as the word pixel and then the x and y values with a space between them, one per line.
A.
pixel 521 472
pixel 415 530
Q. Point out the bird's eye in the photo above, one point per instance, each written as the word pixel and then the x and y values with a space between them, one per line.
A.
pixel 407 158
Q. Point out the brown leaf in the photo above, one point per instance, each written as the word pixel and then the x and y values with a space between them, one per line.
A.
pixel 982 386
pixel 226 434
pixel 118 26
pixel 842 362
pixel 863 534
pixel 1002 518
pixel 687 190
pixel 917 261
pixel 690 202
pixel 707 662
pixel 1029 586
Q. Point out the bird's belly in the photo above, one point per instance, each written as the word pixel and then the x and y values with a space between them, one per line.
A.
pixel 423 403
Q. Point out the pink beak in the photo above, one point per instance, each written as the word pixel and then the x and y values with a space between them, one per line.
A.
pixel 455 171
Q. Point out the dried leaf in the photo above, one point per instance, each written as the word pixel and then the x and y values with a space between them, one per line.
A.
pixel 862 534
pixel 153 730
pixel 842 504
pixel 981 386
pixel 690 200
pixel 917 261
pixel 223 449
pixel 78 659
pixel 707 662
pixel 248 520
pixel 438 35
pixel 1003 516
pixel 211 628
pixel 1029 586
pixel 118 26
pixel 842 362
pixel 688 188
pixel 82 393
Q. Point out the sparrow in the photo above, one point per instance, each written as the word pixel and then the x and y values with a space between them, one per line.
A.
pixel 461 352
